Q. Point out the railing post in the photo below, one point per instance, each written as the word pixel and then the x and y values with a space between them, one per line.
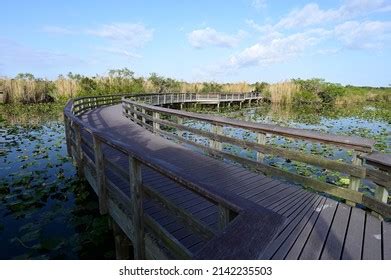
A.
pixel 216 129
pixel 122 243
pixel 135 113
pixel 355 182
pixel 142 117
pixel 155 118
pixel 261 139
pixel 224 216
pixel 135 182
pixel 381 194
pixel 100 175
pixel 180 121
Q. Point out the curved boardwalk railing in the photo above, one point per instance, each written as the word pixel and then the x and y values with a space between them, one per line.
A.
pixel 143 110
pixel 246 239
pixel 245 228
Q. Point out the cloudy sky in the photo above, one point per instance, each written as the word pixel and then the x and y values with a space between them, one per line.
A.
pixel 346 41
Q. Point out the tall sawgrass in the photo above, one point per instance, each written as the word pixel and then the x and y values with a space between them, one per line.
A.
pixel 282 92
pixel 27 89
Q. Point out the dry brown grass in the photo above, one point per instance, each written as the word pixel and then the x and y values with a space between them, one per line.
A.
pixel 282 92
pixel 238 87
pixel 25 91
pixel 66 87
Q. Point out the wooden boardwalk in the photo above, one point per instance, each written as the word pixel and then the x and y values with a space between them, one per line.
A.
pixel 313 227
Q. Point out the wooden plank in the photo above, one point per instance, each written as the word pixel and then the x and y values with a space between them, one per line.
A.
pixel 335 240
pixel 386 240
pixel 372 239
pixel 187 217
pixel 224 217
pixel 300 237
pixel 288 234
pixel 289 209
pixel 170 241
pixel 317 237
pixel 275 187
pixel 354 236
pixel 238 240
pixel 278 195
pixel 379 159
pixel 277 205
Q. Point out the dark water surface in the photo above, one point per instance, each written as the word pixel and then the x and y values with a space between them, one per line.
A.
pixel 47 212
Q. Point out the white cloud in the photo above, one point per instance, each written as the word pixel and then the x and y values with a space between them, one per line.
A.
pixel 363 35
pixel 259 4
pixel 119 38
pixel 279 49
pixel 201 38
pixel 130 34
pixel 311 14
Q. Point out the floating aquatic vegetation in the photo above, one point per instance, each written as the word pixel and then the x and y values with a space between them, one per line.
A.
pixel 46 212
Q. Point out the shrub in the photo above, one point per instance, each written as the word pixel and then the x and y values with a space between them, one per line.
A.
pixel 326 92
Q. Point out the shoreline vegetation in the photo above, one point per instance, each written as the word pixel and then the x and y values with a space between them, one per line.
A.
pixel 24 88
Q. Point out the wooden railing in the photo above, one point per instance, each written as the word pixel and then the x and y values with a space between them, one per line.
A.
pixel 144 112
pixel 87 145
pixel 83 104
pixel 160 99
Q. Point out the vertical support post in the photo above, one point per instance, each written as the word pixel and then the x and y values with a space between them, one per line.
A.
pixel 135 182
pixel 355 182
pixel 261 139
pixel 180 121
pixel 79 152
pixel 381 194
pixel 216 129
pixel 143 118
pixel 224 217
pixel 156 125
pixel 135 113
pixel 122 243
pixel 100 175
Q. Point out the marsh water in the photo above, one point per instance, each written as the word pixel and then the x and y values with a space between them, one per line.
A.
pixel 47 212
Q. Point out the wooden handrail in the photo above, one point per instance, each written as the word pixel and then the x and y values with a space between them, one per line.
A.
pixel 353 142
pixel 135 109
pixel 105 188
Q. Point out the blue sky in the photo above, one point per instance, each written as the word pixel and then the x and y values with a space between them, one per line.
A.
pixel 346 41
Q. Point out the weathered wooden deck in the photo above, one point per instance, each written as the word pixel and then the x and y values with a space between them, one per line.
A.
pixel 316 227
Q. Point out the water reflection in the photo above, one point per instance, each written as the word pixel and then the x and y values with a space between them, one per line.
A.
pixel 45 211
